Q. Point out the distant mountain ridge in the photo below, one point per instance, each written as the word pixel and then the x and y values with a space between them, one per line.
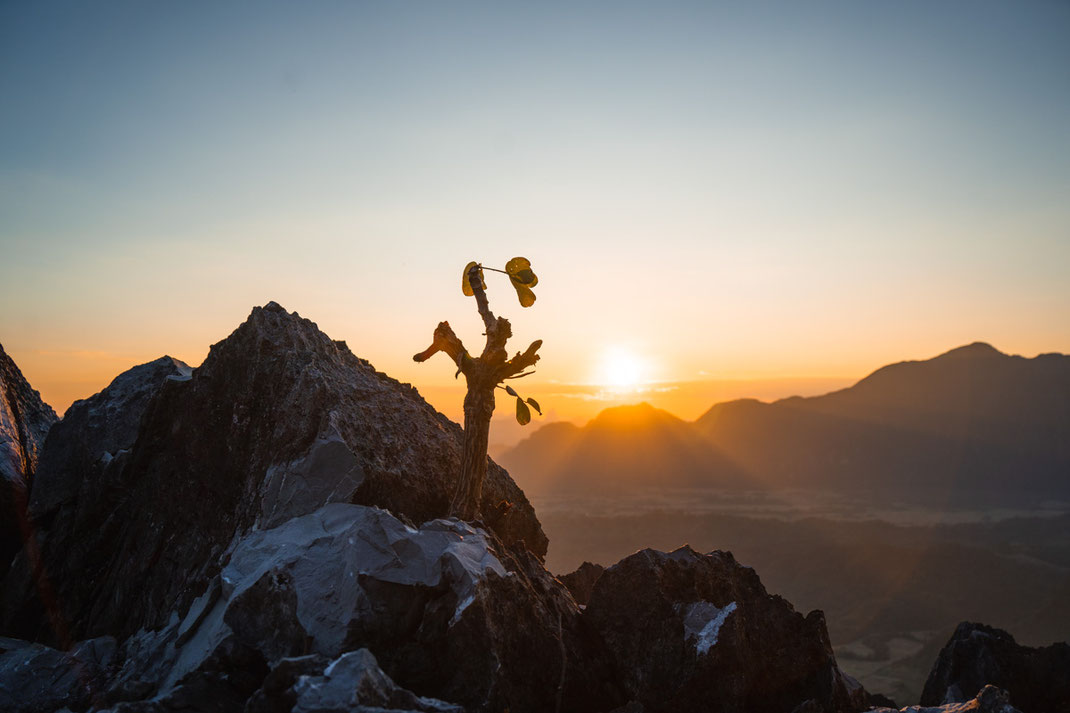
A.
pixel 973 423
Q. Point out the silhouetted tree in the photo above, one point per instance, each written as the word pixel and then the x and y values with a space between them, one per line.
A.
pixel 484 374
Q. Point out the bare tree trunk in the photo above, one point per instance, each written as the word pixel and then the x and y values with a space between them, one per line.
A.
pixel 483 374
pixel 478 409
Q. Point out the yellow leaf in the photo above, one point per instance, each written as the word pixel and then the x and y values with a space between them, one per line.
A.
pixel 466 288
pixel 523 413
pixel 519 269
pixel 527 297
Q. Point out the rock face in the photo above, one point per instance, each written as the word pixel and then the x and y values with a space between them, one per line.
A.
pixel 1037 679
pixel 581 582
pixel 448 609
pixel 24 422
pixel 39 679
pixel 355 682
pixel 77 485
pixel 278 421
pixel 699 632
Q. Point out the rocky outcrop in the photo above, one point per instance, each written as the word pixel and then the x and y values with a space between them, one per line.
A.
pixel 77 485
pixel 699 632
pixel 278 421
pixel 39 679
pixel 24 422
pixel 988 700
pixel 448 610
pixel 354 682
pixel 265 533
pixel 581 582
pixel 1037 679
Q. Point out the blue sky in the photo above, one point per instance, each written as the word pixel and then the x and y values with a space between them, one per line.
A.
pixel 738 189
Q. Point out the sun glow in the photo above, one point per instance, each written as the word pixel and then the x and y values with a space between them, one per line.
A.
pixel 621 369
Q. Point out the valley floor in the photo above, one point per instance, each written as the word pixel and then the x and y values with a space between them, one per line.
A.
pixel 893 580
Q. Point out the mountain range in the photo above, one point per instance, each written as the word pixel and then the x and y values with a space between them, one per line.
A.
pixel 973 425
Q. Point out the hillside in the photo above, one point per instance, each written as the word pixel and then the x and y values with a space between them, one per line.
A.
pixel 622 449
pixel 971 425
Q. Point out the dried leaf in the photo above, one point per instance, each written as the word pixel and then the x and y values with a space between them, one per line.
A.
pixel 523 413
pixel 466 288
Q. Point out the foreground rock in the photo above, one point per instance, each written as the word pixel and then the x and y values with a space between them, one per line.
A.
pixel 40 679
pixel 24 422
pixel 264 534
pixel 1037 679
pixel 77 485
pixel 278 421
pixel 699 632
pixel 988 700
pixel 448 610
pixel 354 682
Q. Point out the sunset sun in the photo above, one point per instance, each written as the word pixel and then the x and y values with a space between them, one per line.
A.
pixel 621 369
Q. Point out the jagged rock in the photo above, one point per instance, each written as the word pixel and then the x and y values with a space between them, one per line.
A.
pixel 276 694
pixel 988 700
pixel 448 609
pixel 77 483
pixel 93 433
pixel 699 632
pixel 1037 679
pixel 581 582
pixel 24 421
pixel 278 421
pixel 354 683
pixel 39 679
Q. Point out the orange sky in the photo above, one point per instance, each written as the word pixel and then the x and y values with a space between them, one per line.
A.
pixel 718 192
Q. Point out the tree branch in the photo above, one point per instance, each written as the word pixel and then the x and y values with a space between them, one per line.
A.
pixel 498 328
pixel 489 321
pixel 521 361
pixel 445 341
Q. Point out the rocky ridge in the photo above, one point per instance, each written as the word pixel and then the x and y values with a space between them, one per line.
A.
pixel 266 532
pixel 1036 679
pixel 277 421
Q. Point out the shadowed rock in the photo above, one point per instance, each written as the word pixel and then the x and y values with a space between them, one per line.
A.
pixel 699 632
pixel 1037 679
pixel 79 482
pixel 39 679
pixel 278 421
pixel 581 582
pixel 448 609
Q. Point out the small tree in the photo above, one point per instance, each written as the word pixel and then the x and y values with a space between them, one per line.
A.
pixel 484 374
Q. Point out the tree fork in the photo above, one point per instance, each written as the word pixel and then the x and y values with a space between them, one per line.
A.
pixel 482 375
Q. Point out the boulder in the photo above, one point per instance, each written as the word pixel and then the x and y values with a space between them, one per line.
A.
pixel 447 609
pixel 77 483
pixel 24 422
pixel 39 679
pixel 278 421
pixel 354 682
pixel 688 631
pixel 1037 679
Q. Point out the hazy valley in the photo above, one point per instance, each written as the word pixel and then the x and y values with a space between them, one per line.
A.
pixel 929 493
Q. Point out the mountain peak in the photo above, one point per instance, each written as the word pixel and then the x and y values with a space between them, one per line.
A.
pixel 631 415
pixel 973 351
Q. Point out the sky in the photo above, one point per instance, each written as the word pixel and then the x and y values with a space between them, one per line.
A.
pixel 720 199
